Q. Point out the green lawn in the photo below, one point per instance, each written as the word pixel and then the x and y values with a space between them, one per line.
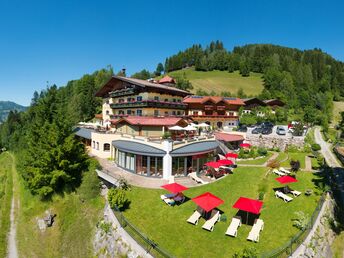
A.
pixel 6 183
pixel 301 156
pixel 338 107
pixel 168 227
pixel 222 81
pixel 282 156
pixel 258 161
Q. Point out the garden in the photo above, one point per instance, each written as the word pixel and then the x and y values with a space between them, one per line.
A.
pixel 167 225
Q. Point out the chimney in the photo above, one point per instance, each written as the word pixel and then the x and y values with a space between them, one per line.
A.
pixel 123 71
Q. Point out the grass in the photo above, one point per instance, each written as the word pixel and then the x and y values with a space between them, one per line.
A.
pixel 74 227
pixel 301 156
pixel 222 81
pixel 338 246
pixel 282 156
pixel 338 106
pixel 167 226
pixel 258 161
pixel 6 191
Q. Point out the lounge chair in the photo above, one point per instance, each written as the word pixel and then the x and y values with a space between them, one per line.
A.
pixel 255 231
pixel 169 202
pixel 194 176
pixel 295 193
pixel 286 198
pixel 277 172
pixel 221 156
pixel 179 198
pixel 194 218
pixel 285 171
pixel 232 230
pixel 210 223
pixel 168 196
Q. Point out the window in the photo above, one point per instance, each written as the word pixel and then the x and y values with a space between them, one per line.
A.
pixel 106 147
pixel 166 113
pixel 120 100
pixel 139 112
pixel 128 99
pixel 174 100
pixel 107 112
pixel 166 100
pixel 179 100
pixel 128 112
pixel 178 113
pixel 195 113
pixel 121 112
pixel 156 98
pixel 139 98
pixel 97 146
pixel 107 101
pixel 173 113
pixel 94 145
pixel 156 112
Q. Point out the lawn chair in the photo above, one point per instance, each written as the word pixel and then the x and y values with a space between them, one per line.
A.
pixel 232 230
pixel 286 198
pixel 169 202
pixel 295 193
pixel 168 196
pixel 285 171
pixel 180 198
pixel 194 218
pixel 194 176
pixel 277 172
pixel 210 223
pixel 255 231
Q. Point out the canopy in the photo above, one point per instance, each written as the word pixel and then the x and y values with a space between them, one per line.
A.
pixel 190 128
pixel 174 188
pixel 245 145
pixel 249 205
pixel 176 128
pixel 213 164
pixel 207 201
pixel 203 125
pixel 225 162
pixel 232 155
pixel 286 179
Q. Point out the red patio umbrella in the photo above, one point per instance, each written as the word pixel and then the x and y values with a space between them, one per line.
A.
pixel 225 162
pixel 213 164
pixel 232 155
pixel 248 205
pixel 207 201
pixel 245 145
pixel 286 179
pixel 174 188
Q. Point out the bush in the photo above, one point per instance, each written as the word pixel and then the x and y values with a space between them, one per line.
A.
pixel 301 220
pixel 295 165
pixel 166 135
pixel 261 196
pixel 262 151
pixel 89 187
pixel 274 163
pixel 248 252
pixel 315 147
pixel 118 199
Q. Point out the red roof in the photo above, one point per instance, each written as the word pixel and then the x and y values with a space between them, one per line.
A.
pixel 99 116
pixel 249 205
pixel 149 120
pixel 167 79
pixel 228 137
pixel 207 201
pixel 286 179
pixel 174 187
pixel 225 162
pixel 232 155
pixel 214 99
pixel 213 164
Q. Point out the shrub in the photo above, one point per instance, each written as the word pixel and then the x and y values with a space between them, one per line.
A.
pixel 301 220
pixel 118 199
pixel 261 196
pixel 262 151
pixel 273 163
pixel 166 135
pixel 315 147
pixel 123 184
pixel 295 165
pixel 89 187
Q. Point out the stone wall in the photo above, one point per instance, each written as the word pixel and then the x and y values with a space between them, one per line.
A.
pixel 268 141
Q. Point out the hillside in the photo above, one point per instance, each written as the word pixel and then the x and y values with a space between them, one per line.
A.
pixel 6 107
pixel 220 81
pixel 338 107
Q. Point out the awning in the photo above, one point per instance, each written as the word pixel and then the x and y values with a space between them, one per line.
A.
pixel 286 179
pixel 83 132
pixel 207 201
pixel 195 148
pixel 174 188
pixel 249 205
pixel 138 148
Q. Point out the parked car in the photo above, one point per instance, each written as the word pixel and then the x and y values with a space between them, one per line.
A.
pixel 267 125
pixel 257 130
pixel 267 130
pixel 281 131
pixel 242 128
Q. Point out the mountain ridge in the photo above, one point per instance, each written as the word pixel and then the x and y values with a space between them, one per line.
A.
pixel 7 106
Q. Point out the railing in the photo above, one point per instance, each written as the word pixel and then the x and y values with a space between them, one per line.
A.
pixel 147 244
pixel 123 92
pixel 149 103
pixel 288 248
pixel 213 116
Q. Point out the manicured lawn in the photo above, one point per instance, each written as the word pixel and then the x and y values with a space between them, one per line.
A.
pixel 338 106
pixel 301 156
pixel 258 161
pixel 222 81
pixel 282 156
pixel 168 227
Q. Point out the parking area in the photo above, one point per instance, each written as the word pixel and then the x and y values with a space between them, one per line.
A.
pixel 273 133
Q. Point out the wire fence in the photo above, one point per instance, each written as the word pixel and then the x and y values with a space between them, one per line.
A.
pixel 288 248
pixel 147 244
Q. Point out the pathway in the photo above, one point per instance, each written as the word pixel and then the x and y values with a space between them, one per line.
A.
pixel 274 156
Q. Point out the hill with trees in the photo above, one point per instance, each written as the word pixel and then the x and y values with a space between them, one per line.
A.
pixel 6 107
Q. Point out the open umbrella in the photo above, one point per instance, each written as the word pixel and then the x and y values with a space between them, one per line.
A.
pixel 203 125
pixel 225 162
pixel 190 128
pixel 232 155
pixel 248 205
pixel 245 145
pixel 213 164
pixel 174 188
pixel 286 179
pixel 207 201
pixel 176 128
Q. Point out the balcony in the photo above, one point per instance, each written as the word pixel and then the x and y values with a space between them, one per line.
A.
pixel 123 92
pixel 213 116
pixel 208 107
pixel 221 107
pixel 149 103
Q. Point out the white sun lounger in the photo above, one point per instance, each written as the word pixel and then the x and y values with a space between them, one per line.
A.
pixel 285 171
pixel 194 176
pixel 277 172
pixel 209 224
pixel 221 156
pixel 194 218
pixel 295 193
pixel 255 231
pixel 232 230
pixel 286 198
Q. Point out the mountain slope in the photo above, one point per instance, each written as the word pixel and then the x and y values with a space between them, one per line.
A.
pixel 7 106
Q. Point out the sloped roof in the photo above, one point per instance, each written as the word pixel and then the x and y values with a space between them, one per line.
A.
pixel 109 86
pixel 195 148
pixel 269 101
pixel 214 99
pixel 167 79
pixel 83 132
pixel 228 137
pixel 149 120
pixel 138 148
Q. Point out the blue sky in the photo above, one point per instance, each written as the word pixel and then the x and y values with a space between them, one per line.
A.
pixel 57 41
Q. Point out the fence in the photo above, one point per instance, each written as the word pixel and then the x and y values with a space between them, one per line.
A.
pixel 149 245
pixel 287 249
